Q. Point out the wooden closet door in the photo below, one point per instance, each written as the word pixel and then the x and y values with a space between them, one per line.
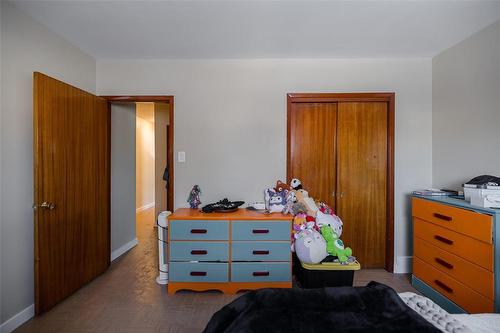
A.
pixel 312 140
pixel 362 179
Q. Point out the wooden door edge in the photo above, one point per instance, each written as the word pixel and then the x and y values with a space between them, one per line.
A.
pixel 388 97
pixel 36 86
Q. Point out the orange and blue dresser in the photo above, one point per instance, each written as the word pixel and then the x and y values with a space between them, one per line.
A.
pixel 230 252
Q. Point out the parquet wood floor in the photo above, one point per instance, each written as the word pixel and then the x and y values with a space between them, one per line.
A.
pixel 127 299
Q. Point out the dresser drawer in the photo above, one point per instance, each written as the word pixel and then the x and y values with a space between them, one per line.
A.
pixel 457 292
pixel 260 251
pixel 469 223
pixel 198 272
pixel 472 275
pixel 261 272
pixel 268 230
pixel 198 230
pixel 468 248
pixel 199 251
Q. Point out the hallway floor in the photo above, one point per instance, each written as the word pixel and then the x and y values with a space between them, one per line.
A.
pixel 127 298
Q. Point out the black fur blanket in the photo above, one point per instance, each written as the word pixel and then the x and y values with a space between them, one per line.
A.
pixel 374 308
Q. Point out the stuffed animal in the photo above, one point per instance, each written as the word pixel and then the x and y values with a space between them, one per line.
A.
pixel 324 208
pixel 296 184
pixel 303 198
pixel 194 197
pixel 275 201
pixel 280 186
pixel 290 201
pixel 298 208
pixel 310 247
pixel 330 220
pixel 302 192
pixel 299 224
pixel 335 246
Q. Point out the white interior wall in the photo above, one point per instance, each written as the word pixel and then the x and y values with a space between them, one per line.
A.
pixel 466 109
pixel 26 46
pixel 123 172
pixel 230 119
pixel 145 156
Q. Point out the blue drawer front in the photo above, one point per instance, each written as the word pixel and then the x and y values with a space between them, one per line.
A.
pixel 198 230
pixel 199 251
pixel 198 272
pixel 269 230
pixel 260 251
pixel 261 272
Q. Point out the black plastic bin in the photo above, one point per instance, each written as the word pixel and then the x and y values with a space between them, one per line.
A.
pixel 326 274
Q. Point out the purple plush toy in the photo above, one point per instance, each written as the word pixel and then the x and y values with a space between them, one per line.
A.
pixel 275 201
pixel 194 197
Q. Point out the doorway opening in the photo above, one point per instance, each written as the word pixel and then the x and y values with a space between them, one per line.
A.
pixel 152 169
pixel 141 166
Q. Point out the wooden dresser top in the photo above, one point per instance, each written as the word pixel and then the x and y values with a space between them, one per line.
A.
pixel 240 214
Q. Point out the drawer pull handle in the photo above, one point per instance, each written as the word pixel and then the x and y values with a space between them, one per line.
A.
pixel 260 252
pixel 260 231
pixel 442 217
pixel 198 231
pixel 198 273
pixel 443 286
pixel 443 263
pixel 443 240
pixel 260 273
pixel 198 252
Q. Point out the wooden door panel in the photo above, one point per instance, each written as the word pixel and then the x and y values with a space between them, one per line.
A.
pixel 312 148
pixel 362 179
pixel 71 169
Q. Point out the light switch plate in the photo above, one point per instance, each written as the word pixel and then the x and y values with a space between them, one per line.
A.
pixel 181 156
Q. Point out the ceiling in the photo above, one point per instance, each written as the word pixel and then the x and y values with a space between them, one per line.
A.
pixel 263 29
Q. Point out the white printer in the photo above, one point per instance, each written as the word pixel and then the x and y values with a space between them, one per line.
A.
pixel 483 191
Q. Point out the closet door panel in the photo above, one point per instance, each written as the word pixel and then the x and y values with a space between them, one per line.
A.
pixel 312 148
pixel 362 179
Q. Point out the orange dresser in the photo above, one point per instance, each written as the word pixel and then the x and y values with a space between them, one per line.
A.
pixel 454 254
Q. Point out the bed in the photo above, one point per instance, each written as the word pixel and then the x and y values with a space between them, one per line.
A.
pixel 373 308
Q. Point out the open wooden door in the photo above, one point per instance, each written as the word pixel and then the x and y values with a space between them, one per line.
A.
pixel 71 189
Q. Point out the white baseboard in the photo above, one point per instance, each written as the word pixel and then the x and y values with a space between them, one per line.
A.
pixel 18 319
pixel 403 264
pixel 145 207
pixel 124 248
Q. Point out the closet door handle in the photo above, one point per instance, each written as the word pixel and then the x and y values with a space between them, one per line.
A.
pixel 443 263
pixel 443 286
pixel 442 217
pixel 443 240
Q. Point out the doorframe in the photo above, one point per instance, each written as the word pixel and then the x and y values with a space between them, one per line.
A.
pixel 170 132
pixel 388 97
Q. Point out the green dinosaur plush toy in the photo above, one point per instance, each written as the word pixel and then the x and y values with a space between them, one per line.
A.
pixel 335 246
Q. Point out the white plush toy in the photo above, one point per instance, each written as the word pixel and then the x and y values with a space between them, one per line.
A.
pixel 332 220
pixel 310 247
pixel 296 184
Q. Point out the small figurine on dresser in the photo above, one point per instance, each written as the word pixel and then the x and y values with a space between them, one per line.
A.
pixel 194 197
